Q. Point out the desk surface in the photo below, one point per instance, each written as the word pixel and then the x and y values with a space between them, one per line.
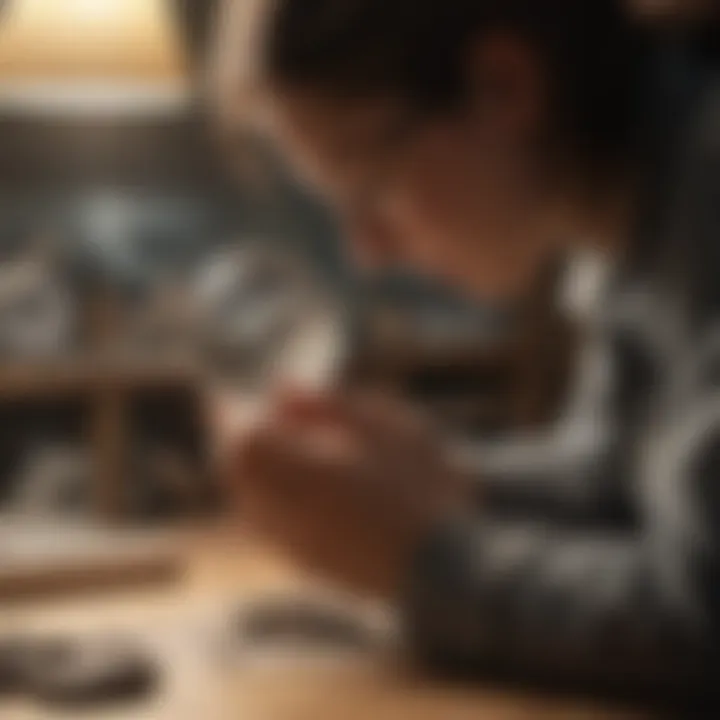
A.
pixel 180 621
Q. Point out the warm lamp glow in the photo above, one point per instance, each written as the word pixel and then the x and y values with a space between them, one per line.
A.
pixel 42 39
pixel 83 48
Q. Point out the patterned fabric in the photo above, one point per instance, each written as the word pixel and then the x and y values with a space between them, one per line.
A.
pixel 596 554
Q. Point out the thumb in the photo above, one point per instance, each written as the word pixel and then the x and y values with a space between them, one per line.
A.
pixel 231 419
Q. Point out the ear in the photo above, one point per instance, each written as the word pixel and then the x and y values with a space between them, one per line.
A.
pixel 672 12
pixel 508 86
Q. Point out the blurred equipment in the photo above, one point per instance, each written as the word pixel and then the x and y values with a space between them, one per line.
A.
pixel 55 482
pixel 10 676
pixel 38 317
pixel 73 672
pixel 166 482
pixel 264 319
pixel 83 672
pixel 164 326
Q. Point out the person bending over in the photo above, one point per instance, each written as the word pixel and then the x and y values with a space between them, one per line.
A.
pixel 474 140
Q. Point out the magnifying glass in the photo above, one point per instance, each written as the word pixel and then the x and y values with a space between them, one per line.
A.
pixel 267 320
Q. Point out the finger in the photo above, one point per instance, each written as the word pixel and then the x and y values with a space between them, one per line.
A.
pixel 370 413
pixel 381 418
pixel 256 484
pixel 232 418
pixel 405 417
pixel 301 406
pixel 287 484
pixel 280 457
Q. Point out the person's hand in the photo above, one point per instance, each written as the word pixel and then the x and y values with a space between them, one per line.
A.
pixel 347 486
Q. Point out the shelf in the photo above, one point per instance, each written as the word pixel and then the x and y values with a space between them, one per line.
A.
pixel 58 379
pixel 108 386
pixel 37 560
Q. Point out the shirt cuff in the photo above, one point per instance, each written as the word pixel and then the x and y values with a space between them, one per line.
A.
pixel 441 619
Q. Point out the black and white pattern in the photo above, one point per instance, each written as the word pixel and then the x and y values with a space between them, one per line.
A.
pixel 596 554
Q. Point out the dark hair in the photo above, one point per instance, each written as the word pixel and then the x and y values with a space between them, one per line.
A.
pixel 415 50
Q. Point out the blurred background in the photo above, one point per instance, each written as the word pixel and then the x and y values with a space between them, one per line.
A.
pixel 148 262
pixel 117 198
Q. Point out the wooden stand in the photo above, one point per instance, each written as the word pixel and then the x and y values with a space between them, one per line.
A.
pixel 107 387
pixel 502 386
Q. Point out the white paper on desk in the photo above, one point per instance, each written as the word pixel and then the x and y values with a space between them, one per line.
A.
pixel 29 545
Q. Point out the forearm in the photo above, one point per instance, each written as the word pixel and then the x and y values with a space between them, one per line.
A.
pixel 554 605
pixel 544 477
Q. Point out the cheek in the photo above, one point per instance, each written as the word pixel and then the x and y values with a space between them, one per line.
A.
pixel 430 217
pixel 443 220
pixel 470 228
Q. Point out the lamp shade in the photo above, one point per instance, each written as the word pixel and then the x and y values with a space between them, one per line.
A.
pixel 90 54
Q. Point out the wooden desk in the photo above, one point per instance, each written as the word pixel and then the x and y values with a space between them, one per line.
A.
pixel 175 623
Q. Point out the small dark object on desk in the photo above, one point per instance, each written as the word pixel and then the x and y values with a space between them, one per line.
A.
pixel 76 672
pixel 11 679
pixel 305 623
pixel 98 671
